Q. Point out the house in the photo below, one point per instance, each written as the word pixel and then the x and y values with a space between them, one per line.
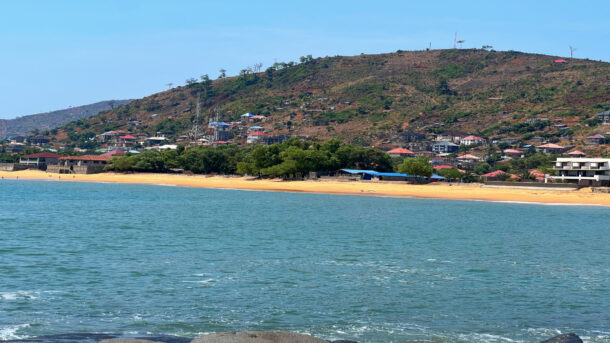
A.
pixel 560 61
pixel 498 175
pixel 506 140
pixel 256 128
pixel 18 139
pixel 39 160
pixel 551 148
pixel 450 136
pixel 126 140
pixel 14 148
pixel 109 137
pixel 576 153
pixel 444 147
pixel 596 139
pixel 592 172
pixel 156 140
pixel 400 152
pixel 513 152
pixel 537 175
pixel 604 117
pixel 472 140
pixel 468 158
pixel 115 152
pixel 410 136
pixel 255 137
pixel 268 140
pixel 86 164
pixel 247 116
pixel 424 153
pixel 38 140
pixel 419 146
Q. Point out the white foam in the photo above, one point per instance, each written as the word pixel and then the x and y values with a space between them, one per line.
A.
pixel 18 295
pixel 487 338
pixel 10 332
pixel 203 282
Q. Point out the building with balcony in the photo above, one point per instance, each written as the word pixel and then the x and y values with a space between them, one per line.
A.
pixel 592 172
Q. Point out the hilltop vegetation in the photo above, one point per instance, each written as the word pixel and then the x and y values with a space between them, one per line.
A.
pixel 22 126
pixel 372 99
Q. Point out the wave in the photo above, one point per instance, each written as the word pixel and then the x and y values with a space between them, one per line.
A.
pixel 10 332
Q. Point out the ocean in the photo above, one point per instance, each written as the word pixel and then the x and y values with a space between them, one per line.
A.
pixel 139 259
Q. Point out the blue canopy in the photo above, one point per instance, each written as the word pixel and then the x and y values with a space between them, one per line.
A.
pixel 245 115
pixel 375 173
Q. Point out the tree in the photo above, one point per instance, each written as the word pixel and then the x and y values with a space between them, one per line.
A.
pixel 191 81
pixel 451 174
pixel 223 73
pixel 416 166
pixel 482 168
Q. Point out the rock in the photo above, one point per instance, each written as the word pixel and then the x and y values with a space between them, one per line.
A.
pixel 565 338
pixel 128 340
pixel 257 337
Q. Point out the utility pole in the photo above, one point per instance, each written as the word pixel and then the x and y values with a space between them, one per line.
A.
pixel 572 49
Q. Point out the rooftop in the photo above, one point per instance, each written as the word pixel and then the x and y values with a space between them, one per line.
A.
pixel 44 154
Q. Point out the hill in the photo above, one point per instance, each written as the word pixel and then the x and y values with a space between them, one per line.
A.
pixel 45 121
pixel 376 99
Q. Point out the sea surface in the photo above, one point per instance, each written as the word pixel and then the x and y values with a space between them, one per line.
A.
pixel 138 259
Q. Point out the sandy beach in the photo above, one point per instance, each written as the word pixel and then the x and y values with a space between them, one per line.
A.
pixel 369 188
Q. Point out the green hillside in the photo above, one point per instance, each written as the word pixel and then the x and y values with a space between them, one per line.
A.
pixel 372 99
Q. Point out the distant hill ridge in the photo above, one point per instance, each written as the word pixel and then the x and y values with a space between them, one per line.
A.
pixel 376 99
pixel 24 125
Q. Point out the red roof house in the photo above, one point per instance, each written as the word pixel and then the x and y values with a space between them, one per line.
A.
pixel 498 175
pixel 577 153
pixel 400 152
pixel 551 148
pixel 596 139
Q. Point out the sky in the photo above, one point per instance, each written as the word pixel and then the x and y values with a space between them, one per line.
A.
pixel 62 53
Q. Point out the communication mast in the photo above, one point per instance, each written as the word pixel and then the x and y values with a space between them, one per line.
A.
pixel 195 130
pixel 214 124
pixel 455 40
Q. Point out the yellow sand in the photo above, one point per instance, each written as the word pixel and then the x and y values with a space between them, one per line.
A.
pixel 370 188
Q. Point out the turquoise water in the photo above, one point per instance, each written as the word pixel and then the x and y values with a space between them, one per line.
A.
pixel 106 258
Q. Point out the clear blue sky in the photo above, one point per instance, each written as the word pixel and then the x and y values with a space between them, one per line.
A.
pixel 57 54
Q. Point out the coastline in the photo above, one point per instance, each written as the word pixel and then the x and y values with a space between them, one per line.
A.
pixel 368 188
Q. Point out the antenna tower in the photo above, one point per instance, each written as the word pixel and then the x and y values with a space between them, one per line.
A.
pixel 195 130
pixel 455 40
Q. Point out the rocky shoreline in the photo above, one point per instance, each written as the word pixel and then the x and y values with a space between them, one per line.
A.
pixel 224 337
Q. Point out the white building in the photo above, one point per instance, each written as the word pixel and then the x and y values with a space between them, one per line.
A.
pixel 584 171
pixel 472 140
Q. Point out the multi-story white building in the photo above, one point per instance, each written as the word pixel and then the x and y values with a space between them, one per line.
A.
pixel 584 171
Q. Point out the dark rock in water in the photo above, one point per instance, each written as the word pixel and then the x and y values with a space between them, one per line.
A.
pixel 257 337
pixel 565 338
pixel 128 340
